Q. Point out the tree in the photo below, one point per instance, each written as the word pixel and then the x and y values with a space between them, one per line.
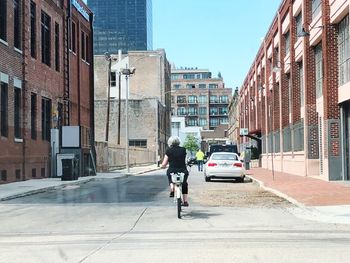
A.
pixel 219 75
pixel 191 143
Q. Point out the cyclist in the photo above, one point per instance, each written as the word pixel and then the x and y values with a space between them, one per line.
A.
pixel 175 155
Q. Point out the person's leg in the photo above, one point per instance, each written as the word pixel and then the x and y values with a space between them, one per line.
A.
pixel 171 185
pixel 185 190
pixel 201 165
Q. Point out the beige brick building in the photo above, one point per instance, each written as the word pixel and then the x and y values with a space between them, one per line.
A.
pixel 148 97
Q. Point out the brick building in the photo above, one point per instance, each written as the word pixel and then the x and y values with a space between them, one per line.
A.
pixel 44 84
pixel 148 101
pixel 296 95
pixel 198 97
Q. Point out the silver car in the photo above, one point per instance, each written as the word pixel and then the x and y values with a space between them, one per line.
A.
pixel 224 165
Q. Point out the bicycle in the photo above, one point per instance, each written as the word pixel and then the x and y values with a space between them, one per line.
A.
pixel 177 179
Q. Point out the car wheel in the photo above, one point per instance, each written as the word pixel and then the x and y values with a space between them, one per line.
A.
pixel 207 179
pixel 240 180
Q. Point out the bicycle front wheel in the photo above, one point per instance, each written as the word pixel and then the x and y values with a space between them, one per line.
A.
pixel 179 208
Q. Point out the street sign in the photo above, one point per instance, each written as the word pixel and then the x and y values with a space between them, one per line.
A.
pixel 243 131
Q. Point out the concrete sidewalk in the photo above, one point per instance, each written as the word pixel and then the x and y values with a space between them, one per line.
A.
pixel 315 198
pixel 33 186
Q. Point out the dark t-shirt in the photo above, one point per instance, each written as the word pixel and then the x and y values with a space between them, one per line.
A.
pixel 177 157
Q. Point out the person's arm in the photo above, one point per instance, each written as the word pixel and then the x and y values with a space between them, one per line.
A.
pixel 165 162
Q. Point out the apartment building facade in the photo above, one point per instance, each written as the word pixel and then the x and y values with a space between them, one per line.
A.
pixel 296 95
pixel 198 97
pixel 46 82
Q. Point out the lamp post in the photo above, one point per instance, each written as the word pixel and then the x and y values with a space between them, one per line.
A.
pixel 127 72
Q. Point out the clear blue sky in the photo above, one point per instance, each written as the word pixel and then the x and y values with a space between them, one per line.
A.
pixel 219 35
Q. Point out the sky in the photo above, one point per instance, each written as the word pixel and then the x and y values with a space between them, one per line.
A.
pixel 219 35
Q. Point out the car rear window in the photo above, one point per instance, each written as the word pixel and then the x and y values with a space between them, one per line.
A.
pixel 232 157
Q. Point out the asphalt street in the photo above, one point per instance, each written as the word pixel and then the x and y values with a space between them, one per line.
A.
pixel 133 220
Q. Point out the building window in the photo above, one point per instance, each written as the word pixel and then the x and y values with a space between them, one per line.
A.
pixel 181 99
pixel 344 51
pixel 18 174
pixel 188 76
pixel 192 111
pixel 175 125
pixel 84 46
pixel 190 86
pixel 222 110
pixel 213 111
pixel 3 20
pixel 45 38
pixel 138 143
pixel 4 109
pixel 202 122
pixel 17 112
pixel 202 86
pixel 113 79
pixel 223 99
pixel 45 119
pixel 191 122
pixel 287 41
pixel 33 173
pixel 318 68
pixel 316 8
pixel 33 115
pixel 299 23
pixel 213 86
pixel 57 47
pixel 17 24
pixel 202 110
pixel 73 39
pixel 301 80
pixel 176 86
pixel 87 48
pixel 192 99
pixel 181 111
pixel 202 99
pixel 3 175
pixel 42 172
pixel 33 29
pixel 213 122
pixel 213 99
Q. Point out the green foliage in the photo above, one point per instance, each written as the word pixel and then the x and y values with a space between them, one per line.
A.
pixel 191 143
pixel 254 153
pixel 219 75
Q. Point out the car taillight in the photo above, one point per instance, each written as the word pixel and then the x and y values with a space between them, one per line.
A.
pixel 212 164
pixel 237 164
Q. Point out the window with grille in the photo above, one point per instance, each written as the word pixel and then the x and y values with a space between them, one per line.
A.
pixel 181 99
pixel 33 29
pixel 202 86
pixel 213 86
pixel 3 20
pixel 318 68
pixel 202 122
pixel 213 99
pixel 343 51
pixel 223 99
pixel 192 111
pixel 181 111
pixel 138 143
pixel 45 38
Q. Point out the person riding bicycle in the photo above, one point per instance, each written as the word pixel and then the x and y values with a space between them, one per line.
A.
pixel 175 156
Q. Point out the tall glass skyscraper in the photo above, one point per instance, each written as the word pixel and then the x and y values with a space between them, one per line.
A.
pixel 121 24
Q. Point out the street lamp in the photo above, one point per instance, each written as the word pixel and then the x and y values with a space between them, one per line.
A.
pixel 127 72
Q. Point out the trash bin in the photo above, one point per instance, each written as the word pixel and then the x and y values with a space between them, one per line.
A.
pixel 68 170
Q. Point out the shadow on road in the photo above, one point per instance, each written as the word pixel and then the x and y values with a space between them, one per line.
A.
pixel 198 214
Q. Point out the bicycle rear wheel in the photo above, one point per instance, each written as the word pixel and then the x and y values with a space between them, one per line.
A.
pixel 179 208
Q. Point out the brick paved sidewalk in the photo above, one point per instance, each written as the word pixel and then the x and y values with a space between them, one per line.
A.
pixel 305 190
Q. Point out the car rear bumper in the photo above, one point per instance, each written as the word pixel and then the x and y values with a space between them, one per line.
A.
pixel 225 175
